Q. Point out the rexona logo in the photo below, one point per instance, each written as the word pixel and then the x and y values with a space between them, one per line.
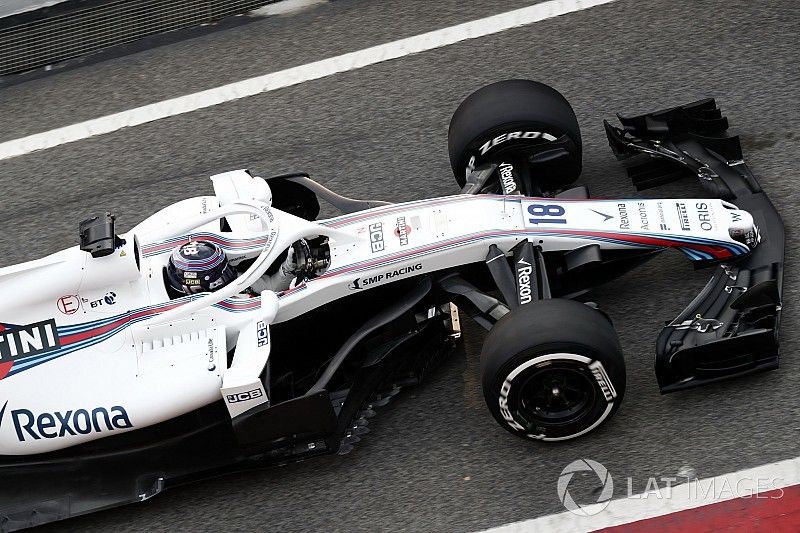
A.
pixel 18 342
pixel 524 270
pixel 507 178
pixel 377 279
pixel 32 426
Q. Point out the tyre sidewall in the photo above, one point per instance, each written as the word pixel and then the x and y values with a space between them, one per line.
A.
pixel 493 145
pixel 517 106
pixel 501 390
pixel 549 327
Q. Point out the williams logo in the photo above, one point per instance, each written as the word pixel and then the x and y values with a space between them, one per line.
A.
pixel 19 342
pixel 605 217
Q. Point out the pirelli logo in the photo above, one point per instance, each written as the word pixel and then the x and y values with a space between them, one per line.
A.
pixel 683 216
pixel 27 341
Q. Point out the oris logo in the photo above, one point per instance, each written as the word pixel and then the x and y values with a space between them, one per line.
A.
pixel 31 426
pixel 704 215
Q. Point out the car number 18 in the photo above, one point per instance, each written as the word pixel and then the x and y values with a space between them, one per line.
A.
pixel 545 214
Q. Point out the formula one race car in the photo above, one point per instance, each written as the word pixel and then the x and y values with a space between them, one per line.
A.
pixel 236 330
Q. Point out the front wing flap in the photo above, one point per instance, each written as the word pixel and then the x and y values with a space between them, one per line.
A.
pixel 731 328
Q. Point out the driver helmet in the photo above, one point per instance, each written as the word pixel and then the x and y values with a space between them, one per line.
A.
pixel 199 266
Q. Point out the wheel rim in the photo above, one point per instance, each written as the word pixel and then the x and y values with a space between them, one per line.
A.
pixel 556 394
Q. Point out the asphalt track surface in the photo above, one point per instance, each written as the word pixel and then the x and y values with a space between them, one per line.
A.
pixel 435 459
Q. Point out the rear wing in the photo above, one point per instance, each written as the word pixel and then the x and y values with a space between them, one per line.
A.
pixel 731 327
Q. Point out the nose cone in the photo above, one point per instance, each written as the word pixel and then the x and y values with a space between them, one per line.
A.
pixel 742 228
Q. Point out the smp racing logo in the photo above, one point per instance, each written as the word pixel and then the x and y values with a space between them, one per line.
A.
pixel 364 283
pixel 20 342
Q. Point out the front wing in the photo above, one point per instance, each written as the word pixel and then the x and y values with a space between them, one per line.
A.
pixel 731 327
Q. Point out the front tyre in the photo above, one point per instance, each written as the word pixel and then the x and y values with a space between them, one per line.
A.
pixel 552 370
pixel 509 121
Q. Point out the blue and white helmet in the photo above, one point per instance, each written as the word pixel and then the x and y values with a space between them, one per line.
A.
pixel 199 266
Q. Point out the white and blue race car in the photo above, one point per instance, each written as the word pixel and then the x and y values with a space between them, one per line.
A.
pixel 237 329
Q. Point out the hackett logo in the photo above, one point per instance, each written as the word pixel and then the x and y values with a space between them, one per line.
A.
pixel 26 341
pixel 30 426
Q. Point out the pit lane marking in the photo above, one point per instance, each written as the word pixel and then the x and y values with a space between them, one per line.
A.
pixel 295 75
pixel 778 477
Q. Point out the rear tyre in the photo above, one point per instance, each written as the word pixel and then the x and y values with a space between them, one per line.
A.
pixel 552 370
pixel 507 118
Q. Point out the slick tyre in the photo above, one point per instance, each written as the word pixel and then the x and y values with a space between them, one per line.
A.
pixel 552 370
pixel 504 120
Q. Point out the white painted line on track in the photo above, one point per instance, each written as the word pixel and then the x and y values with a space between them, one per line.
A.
pixel 295 75
pixel 697 493
pixel 284 7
